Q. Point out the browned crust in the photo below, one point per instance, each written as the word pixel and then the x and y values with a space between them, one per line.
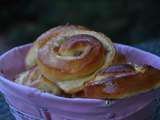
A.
pixel 130 84
pixel 96 47
pixel 43 39
pixel 78 67
pixel 119 59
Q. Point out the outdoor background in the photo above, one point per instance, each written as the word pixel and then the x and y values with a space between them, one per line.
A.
pixel 132 22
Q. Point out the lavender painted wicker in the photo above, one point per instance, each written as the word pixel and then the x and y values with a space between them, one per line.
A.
pixel 28 103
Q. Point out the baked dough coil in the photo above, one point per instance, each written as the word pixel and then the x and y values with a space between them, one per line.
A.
pixel 34 78
pixel 71 55
pixel 42 40
pixel 121 81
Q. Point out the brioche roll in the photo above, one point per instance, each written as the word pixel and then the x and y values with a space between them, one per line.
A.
pixel 117 82
pixel 43 39
pixel 72 56
pixel 34 78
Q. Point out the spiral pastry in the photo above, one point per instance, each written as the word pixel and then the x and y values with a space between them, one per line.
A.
pixel 122 81
pixel 70 55
pixel 75 61
pixel 34 78
pixel 43 39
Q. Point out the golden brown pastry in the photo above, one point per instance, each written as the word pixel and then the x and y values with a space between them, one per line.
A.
pixel 85 63
pixel 34 78
pixel 46 85
pixel 43 39
pixel 119 59
pixel 122 81
pixel 70 55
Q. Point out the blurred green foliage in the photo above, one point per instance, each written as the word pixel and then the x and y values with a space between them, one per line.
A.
pixel 124 21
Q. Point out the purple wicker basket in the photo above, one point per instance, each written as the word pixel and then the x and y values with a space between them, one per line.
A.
pixel 28 103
